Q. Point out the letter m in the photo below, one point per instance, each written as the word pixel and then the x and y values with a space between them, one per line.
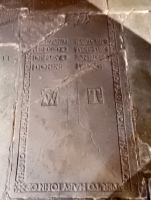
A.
pixel 49 97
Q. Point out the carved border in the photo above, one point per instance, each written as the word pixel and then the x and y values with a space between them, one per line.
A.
pixel 123 144
pixel 21 186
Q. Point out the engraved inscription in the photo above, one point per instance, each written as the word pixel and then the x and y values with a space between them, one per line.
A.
pixel 95 96
pixel 91 41
pixel 91 49
pixel 119 109
pixel 7 17
pixel 19 184
pixel 69 187
pixel 54 49
pixel 49 66
pixel 90 57
pixel 80 66
pixel 49 97
pixel 80 20
pixel 5 58
pixel 49 57
pixel 57 41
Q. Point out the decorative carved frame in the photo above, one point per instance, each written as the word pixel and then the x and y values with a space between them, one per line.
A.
pixel 20 185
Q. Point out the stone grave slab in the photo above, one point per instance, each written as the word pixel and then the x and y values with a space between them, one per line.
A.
pixel 73 134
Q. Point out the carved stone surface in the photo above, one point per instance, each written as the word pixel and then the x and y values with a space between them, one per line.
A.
pixel 9 26
pixel 73 121
pixel 8 97
pixel 9 4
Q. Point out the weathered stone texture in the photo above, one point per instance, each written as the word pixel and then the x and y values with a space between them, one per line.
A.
pixel 29 31
pixel 129 6
pixel 137 41
pixel 8 76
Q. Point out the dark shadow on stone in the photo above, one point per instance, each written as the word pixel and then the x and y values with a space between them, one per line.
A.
pixel 51 5
pixel 63 5
pixel 139 60
pixel 143 185
pixel 138 48
pixel 139 76
pixel 12 4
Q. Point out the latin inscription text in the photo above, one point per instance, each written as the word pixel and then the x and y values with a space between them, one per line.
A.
pixel 91 41
pixel 57 41
pixel 75 187
pixel 50 49
pixel 49 66
pixel 49 57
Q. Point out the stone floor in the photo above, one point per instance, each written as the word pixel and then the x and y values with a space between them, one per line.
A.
pixel 135 19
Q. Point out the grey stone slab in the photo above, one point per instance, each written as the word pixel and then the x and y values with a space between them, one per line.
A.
pixel 73 135
pixel 13 4
pixel 128 6
pixel 9 28
pixel 8 73
pixel 9 47
pixel 36 27
pixel 138 46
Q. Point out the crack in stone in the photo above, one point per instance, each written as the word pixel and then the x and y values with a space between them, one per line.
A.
pixel 107 3
pixel 37 161
pixel 40 155
pixel 91 137
pixel 127 14
pixel 67 80
pixel 42 38
pixel 13 123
